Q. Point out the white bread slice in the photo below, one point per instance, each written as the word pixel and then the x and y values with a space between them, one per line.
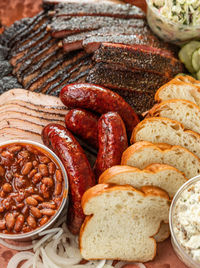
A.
pixel 121 221
pixel 164 130
pixel 181 87
pixel 143 153
pixel 166 177
pixel 186 112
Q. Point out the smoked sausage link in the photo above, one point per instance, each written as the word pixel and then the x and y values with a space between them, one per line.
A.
pixel 79 171
pixel 112 142
pixel 83 124
pixel 100 100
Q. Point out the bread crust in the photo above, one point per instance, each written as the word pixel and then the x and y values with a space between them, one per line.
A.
pixel 152 119
pixel 105 188
pixel 154 111
pixel 151 169
pixel 179 81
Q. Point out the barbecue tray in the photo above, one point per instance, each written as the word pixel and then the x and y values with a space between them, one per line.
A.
pixel 11 11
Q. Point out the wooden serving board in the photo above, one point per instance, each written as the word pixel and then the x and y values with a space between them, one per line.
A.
pixel 11 11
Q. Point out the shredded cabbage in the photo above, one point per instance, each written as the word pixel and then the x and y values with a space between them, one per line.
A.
pixel 186 12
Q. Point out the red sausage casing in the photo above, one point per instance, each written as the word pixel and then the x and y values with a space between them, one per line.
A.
pixel 83 124
pixel 112 142
pixel 79 171
pixel 100 100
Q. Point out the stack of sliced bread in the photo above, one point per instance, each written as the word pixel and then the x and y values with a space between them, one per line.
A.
pixel 127 212
pixel 175 120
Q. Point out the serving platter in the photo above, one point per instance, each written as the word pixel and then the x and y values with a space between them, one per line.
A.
pixel 11 11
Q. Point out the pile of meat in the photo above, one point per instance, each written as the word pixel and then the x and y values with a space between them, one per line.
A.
pixel 106 44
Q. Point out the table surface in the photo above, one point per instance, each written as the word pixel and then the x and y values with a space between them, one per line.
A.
pixel 12 10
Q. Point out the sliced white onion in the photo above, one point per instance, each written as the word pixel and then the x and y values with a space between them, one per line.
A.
pixel 120 264
pixel 18 257
pixel 59 233
pixel 36 258
pixel 50 231
pixel 51 253
pixel 5 244
pixel 101 264
pixel 47 262
pixel 41 241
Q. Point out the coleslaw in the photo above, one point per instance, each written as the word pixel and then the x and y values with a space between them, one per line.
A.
pixel 175 21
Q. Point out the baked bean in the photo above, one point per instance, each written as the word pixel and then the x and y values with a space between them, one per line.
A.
pixel 2 171
pixel 36 212
pixel 52 168
pixel 19 223
pixel 47 211
pixel 44 159
pixel 31 222
pixel 25 211
pixel 32 173
pixel 2 224
pixel 58 188
pixel 31 149
pixel 14 149
pixel 45 191
pixel 35 163
pixel 7 154
pixel 47 181
pixel 31 201
pixel 20 197
pixel 44 220
pixel 1 209
pixel 23 154
pixel 27 168
pixel 2 194
pixel 59 175
pixel 20 205
pixel 37 177
pixel 7 187
pixel 7 204
pixel 26 229
pixel 38 197
pixel 47 205
pixel 43 170
pixel 10 221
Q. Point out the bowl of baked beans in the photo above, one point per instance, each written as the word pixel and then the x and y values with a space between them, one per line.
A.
pixel 33 189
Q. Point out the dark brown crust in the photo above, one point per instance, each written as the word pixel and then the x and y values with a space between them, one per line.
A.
pixel 100 100
pixel 140 57
pixel 112 142
pixel 83 124
pixel 80 174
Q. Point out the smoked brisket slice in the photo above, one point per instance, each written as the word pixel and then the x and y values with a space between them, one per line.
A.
pixel 139 57
pixel 99 9
pixel 37 21
pixel 137 80
pixel 77 72
pixel 63 26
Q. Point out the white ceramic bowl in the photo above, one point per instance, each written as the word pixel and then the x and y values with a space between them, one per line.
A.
pixel 180 251
pixel 170 31
pixel 34 234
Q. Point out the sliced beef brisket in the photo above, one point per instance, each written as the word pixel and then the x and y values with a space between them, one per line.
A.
pixel 140 57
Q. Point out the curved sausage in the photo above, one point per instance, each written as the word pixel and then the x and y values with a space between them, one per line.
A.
pixel 83 124
pixel 79 171
pixel 112 142
pixel 100 100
